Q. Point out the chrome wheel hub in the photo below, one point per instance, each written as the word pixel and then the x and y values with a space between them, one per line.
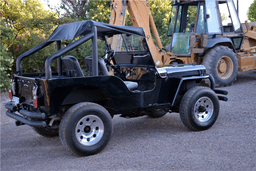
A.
pixel 89 130
pixel 203 109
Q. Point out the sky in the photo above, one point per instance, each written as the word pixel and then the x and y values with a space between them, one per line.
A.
pixel 243 7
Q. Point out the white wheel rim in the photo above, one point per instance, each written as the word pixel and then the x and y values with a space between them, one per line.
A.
pixel 89 130
pixel 203 109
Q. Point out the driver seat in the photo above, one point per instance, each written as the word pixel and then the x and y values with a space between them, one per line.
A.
pixel 104 71
pixel 102 66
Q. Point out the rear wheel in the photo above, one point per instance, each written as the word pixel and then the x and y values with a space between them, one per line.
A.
pixel 86 129
pixel 222 63
pixel 199 108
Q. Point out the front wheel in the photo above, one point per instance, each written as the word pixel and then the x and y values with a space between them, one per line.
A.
pixel 199 108
pixel 86 128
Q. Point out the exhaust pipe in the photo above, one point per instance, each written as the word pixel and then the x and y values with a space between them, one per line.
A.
pixel 18 123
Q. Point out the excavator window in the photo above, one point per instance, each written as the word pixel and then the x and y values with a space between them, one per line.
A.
pixel 177 28
pixel 183 27
pixel 201 25
pixel 233 13
pixel 225 17
pixel 172 21
pixel 213 22
pixel 191 18
pixel 186 18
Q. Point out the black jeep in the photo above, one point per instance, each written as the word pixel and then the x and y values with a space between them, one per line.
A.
pixel 79 108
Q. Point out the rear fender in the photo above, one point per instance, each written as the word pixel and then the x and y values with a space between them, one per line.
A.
pixel 86 94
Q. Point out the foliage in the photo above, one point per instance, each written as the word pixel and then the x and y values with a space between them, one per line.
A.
pixel 74 9
pixel 161 12
pixel 224 17
pixel 30 25
pixel 77 10
pixel 36 61
pixel 6 59
pixel 252 12
pixel 99 10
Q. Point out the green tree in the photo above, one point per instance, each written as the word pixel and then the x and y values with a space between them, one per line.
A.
pixel 252 12
pixel 6 59
pixel 161 12
pixel 77 10
pixel 30 25
pixel 74 9
pixel 99 10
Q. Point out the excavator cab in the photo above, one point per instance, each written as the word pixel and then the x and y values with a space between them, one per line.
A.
pixel 202 16
pixel 198 26
pixel 182 25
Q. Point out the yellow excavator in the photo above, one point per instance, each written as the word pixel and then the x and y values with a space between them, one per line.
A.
pixel 198 37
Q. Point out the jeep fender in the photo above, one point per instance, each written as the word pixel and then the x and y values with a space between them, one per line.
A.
pixel 185 79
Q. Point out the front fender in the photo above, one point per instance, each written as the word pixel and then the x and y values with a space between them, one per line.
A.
pixel 220 41
pixel 182 80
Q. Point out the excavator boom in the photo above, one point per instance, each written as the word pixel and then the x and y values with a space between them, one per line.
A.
pixel 140 14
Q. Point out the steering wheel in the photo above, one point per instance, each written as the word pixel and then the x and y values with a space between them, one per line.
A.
pixel 110 55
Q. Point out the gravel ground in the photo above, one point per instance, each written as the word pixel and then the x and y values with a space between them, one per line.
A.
pixel 148 144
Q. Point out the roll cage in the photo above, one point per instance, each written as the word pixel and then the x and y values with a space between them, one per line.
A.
pixel 87 30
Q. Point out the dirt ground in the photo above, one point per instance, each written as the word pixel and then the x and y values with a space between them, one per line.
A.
pixel 148 144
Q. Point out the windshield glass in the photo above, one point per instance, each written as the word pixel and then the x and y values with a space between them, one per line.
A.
pixel 128 43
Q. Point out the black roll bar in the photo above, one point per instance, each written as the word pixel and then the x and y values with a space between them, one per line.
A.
pixel 59 61
pixel 71 46
pixel 31 51
pixel 95 59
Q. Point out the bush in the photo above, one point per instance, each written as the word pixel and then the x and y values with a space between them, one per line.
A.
pixel 6 61
pixel 6 58
pixel 35 62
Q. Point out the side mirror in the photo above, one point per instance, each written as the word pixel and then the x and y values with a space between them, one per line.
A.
pixel 207 16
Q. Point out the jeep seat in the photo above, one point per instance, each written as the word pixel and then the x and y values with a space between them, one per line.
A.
pixel 104 71
pixel 72 67
pixel 102 66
